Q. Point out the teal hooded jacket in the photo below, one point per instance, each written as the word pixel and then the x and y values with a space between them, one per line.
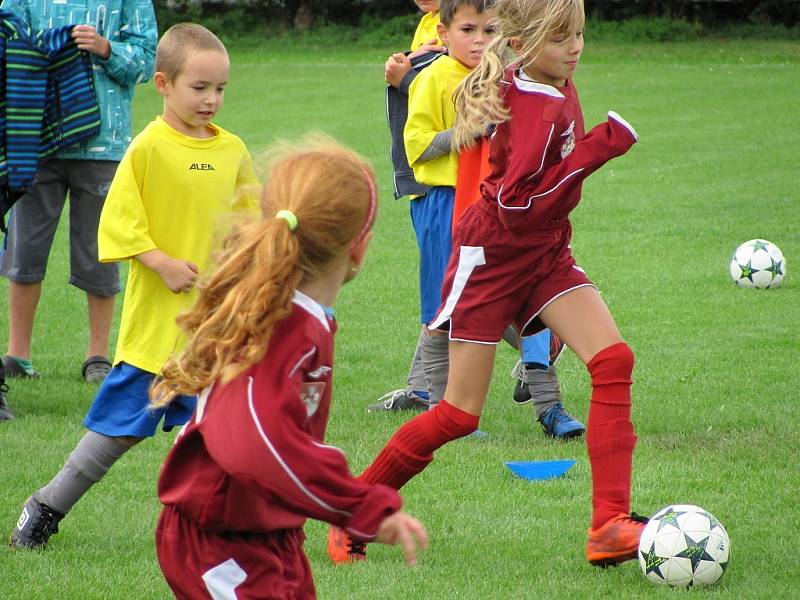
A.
pixel 130 26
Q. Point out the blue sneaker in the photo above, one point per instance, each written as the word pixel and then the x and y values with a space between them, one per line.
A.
pixel 558 423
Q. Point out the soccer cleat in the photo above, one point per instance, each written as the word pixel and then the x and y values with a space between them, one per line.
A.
pixel 615 541
pixel 35 525
pixel 558 423
pixel 12 368
pixel 343 549
pixel 402 399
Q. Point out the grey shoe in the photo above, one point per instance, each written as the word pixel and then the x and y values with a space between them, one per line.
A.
pixel 5 412
pixel 95 369
pixel 35 525
pixel 401 399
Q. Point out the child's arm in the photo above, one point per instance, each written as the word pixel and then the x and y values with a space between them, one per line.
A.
pixel 178 275
pixel 425 121
pixel 530 192
pixel 132 49
pixel 264 442
pixel 124 230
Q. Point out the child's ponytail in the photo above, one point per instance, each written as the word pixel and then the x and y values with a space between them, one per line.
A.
pixel 318 200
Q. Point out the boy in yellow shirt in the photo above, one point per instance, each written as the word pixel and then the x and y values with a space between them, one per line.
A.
pixel 177 183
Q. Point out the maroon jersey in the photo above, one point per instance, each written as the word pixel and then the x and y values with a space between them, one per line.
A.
pixel 540 157
pixel 252 459
pixel 511 254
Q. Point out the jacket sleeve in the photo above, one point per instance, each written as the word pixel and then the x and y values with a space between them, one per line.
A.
pixel 263 443
pixel 133 53
pixel 124 230
pixel 425 118
pixel 530 187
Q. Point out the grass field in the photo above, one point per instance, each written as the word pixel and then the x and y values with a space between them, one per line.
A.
pixel 715 398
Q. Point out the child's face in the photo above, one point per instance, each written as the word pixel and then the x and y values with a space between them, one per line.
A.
pixel 196 94
pixel 468 34
pixel 427 6
pixel 558 59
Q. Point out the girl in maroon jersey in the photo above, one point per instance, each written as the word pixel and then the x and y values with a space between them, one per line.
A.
pixel 251 466
pixel 511 260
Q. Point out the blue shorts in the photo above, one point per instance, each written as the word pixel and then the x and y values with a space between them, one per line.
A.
pixel 432 217
pixel 121 406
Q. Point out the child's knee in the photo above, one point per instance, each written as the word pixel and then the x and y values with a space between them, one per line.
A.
pixel 452 422
pixel 612 365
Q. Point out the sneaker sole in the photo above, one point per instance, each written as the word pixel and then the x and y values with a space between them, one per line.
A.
pixel 612 560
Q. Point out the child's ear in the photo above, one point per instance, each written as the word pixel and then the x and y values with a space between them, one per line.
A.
pixel 441 30
pixel 516 44
pixel 160 81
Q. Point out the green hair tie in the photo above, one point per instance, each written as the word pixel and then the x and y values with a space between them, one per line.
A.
pixel 289 217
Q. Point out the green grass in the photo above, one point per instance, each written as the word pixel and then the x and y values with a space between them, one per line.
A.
pixel 715 399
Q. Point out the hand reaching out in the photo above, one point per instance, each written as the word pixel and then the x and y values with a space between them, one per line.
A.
pixel 406 531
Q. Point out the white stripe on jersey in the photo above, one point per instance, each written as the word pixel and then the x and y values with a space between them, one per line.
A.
pixel 221 581
pixel 469 257
pixel 316 499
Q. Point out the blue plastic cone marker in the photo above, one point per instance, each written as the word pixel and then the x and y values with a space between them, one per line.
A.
pixel 540 469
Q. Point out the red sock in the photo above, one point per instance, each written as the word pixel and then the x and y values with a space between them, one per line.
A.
pixel 411 448
pixel 610 438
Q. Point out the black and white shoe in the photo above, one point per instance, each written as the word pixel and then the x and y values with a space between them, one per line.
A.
pixel 35 525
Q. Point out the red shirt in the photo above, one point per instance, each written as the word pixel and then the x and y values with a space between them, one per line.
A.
pixel 253 459
pixel 540 157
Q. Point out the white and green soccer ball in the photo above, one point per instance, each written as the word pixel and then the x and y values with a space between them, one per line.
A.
pixel 684 545
pixel 758 264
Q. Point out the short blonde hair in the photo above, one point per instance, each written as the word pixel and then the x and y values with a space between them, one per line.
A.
pixel 181 40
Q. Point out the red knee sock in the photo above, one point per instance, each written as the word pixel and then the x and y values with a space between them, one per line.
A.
pixel 411 447
pixel 610 438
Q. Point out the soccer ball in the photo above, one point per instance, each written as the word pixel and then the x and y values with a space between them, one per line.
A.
pixel 683 545
pixel 758 264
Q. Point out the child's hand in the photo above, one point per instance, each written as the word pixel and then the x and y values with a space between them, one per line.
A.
pixel 403 529
pixel 178 275
pixel 86 38
pixel 430 46
pixel 396 68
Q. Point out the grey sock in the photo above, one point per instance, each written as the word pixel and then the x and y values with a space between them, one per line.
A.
pixel 544 387
pixel 416 374
pixel 89 461
pixel 511 336
pixel 436 362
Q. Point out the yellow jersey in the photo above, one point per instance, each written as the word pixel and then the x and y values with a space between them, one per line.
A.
pixel 171 192
pixel 431 110
pixel 426 30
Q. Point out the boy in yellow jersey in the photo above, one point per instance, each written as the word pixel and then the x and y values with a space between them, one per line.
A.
pixel 466 28
pixel 435 95
pixel 179 181
pixel 400 70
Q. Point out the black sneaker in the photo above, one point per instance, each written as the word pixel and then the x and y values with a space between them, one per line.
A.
pixel 35 525
pixel 12 368
pixel 522 394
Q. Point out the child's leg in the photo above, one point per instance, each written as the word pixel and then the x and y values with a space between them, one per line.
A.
pixel 411 448
pixel 87 464
pixel 435 364
pixel 415 382
pixel 582 320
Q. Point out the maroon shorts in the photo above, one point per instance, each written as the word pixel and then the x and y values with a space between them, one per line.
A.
pixel 495 278
pixel 211 566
